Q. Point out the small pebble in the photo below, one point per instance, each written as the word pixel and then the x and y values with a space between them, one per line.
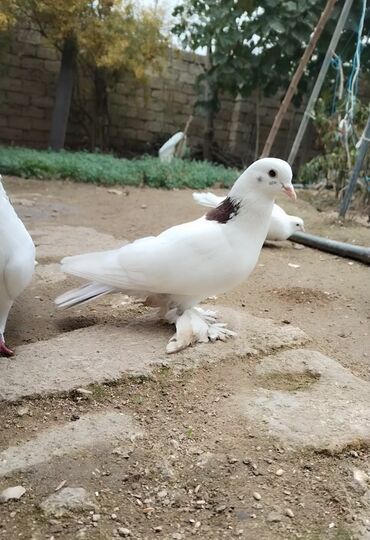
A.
pixel 113 516
pixel 122 531
pixel 83 391
pixel 22 411
pixel 96 517
pixel 257 496
pixel 10 493
pixel 273 517
pixel 279 472
pixel 158 529
pixel 289 513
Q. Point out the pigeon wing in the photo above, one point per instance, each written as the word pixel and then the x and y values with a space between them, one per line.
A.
pixel 181 260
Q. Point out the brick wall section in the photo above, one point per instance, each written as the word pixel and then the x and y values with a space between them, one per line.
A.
pixel 140 117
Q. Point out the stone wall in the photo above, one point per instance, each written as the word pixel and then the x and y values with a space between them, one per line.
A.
pixel 140 118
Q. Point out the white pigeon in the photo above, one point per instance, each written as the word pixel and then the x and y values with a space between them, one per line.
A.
pixel 282 225
pixel 17 262
pixel 187 263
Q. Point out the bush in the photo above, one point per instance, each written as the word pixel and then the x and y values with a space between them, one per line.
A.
pixel 334 165
pixel 106 169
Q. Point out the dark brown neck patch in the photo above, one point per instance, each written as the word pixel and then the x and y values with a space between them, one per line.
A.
pixel 224 211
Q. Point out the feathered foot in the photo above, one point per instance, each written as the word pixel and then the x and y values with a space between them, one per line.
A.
pixel 190 328
pixel 195 325
pixel 4 350
pixel 216 330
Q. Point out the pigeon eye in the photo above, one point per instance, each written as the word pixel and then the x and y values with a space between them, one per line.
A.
pixel 272 173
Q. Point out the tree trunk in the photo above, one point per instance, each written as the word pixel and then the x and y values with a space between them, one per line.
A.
pixel 258 124
pixel 208 135
pixel 101 115
pixel 210 113
pixel 63 95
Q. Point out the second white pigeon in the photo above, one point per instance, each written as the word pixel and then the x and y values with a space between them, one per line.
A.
pixel 187 263
pixel 17 262
pixel 282 225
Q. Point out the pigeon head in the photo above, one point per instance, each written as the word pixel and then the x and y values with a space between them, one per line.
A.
pixel 297 224
pixel 268 176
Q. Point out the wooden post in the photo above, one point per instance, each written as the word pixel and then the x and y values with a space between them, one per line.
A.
pixel 297 77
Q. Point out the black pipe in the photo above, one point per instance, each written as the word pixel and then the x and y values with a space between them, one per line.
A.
pixel 343 249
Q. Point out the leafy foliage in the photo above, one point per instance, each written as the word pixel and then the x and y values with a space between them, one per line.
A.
pixel 257 45
pixel 333 166
pixel 107 169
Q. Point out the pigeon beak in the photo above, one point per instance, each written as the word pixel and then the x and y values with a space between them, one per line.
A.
pixel 289 190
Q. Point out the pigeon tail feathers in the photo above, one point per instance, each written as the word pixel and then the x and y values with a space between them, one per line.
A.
pixel 82 295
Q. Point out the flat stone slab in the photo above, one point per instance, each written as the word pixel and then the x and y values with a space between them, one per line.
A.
pixel 58 241
pixel 308 400
pixel 66 439
pixel 106 352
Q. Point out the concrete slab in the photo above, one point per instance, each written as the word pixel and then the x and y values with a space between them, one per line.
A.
pixel 309 400
pixel 105 352
pixel 68 439
pixel 58 241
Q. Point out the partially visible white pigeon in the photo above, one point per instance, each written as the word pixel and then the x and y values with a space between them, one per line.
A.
pixel 282 225
pixel 187 263
pixel 17 262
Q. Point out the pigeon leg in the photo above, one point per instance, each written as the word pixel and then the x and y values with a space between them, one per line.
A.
pixel 4 350
pixel 190 328
pixel 184 335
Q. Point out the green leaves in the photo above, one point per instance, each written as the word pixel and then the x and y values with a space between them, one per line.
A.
pixel 263 41
pixel 277 25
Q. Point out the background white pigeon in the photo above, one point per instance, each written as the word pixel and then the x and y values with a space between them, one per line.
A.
pixel 282 225
pixel 17 262
pixel 187 263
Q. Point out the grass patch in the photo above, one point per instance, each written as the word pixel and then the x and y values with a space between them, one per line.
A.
pixel 106 169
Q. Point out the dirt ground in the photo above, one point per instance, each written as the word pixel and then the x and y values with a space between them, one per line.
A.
pixel 199 467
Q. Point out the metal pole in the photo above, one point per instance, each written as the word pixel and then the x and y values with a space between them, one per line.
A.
pixel 364 147
pixel 319 81
pixel 343 249
pixel 297 77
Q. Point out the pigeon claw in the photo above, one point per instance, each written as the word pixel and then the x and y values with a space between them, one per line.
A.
pixel 4 350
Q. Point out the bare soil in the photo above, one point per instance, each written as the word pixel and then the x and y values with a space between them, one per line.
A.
pixel 197 450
